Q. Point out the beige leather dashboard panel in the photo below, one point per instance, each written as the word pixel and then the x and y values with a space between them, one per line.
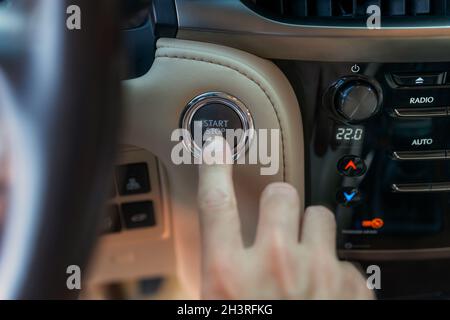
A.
pixel 154 103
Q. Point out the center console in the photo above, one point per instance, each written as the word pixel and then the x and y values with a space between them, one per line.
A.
pixel 377 148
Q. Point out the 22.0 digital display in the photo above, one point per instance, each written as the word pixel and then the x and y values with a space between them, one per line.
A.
pixel 349 134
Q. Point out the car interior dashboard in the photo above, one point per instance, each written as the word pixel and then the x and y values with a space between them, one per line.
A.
pixel 364 121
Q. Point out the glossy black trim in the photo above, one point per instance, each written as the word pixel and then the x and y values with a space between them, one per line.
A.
pixel 139 49
pixel 165 18
pixel 412 221
pixel 139 43
pixel 410 20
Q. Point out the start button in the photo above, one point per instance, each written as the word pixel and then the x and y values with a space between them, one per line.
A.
pixel 216 118
pixel 216 113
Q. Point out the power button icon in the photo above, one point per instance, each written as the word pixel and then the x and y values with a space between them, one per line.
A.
pixel 356 68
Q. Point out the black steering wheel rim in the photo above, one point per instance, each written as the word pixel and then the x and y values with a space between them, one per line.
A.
pixel 59 97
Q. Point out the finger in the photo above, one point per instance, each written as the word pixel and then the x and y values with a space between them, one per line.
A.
pixel 356 283
pixel 219 218
pixel 279 215
pixel 318 229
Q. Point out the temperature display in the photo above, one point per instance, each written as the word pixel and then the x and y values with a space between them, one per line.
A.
pixel 349 134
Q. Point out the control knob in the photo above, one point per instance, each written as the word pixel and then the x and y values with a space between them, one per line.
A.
pixel 356 99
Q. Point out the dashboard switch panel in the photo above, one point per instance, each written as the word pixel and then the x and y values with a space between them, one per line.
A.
pixel 391 189
pixel 135 201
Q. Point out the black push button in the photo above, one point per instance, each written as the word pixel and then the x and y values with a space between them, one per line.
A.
pixel 348 196
pixel 411 188
pixel 419 187
pixel 133 179
pixel 138 214
pixel 216 118
pixel 421 112
pixel 420 155
pixel 417 135
pixel 418 80
pixel 351 166
pixel 216 113
pixel 111 220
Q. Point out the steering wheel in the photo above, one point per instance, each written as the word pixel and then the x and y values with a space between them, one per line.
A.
pixel 59 103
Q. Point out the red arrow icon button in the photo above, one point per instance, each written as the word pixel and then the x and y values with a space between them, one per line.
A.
pixel 351 166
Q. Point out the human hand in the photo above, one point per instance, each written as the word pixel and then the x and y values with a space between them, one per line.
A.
pixel 293 257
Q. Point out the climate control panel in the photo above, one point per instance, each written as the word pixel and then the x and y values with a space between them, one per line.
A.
pixel 378 151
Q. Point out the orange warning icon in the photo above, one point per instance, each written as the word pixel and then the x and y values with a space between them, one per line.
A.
pixel 376 223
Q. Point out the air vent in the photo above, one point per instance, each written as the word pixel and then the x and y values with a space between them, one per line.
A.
pixel 342 12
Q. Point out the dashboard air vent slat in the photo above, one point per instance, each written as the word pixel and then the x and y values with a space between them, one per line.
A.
pixel 340 11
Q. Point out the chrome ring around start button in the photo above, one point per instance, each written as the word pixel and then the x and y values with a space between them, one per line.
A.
pixel 228 101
